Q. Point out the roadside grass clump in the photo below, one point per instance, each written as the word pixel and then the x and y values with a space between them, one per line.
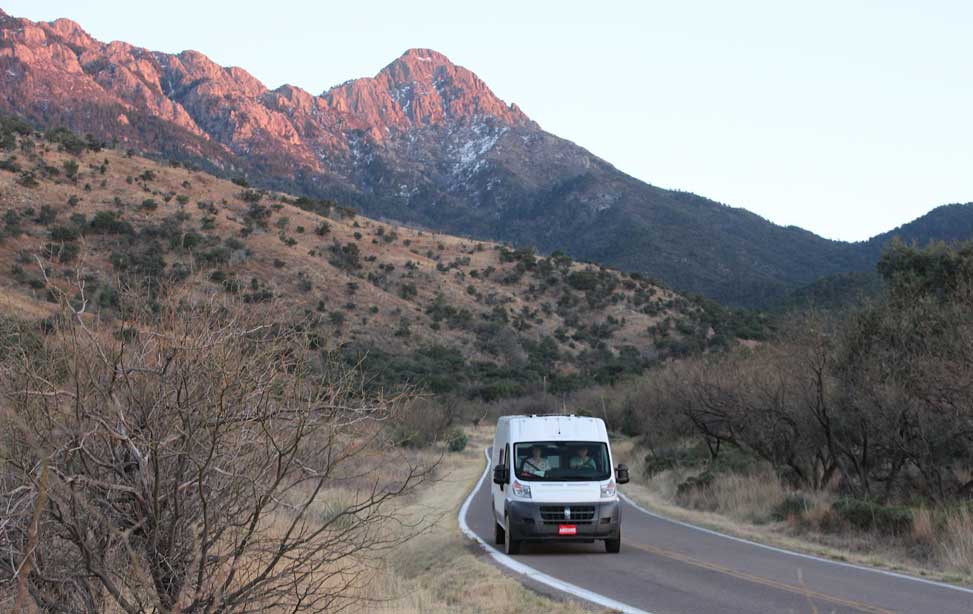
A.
pixel 743 496
pixel 336 509
pixel 730 480
pixel 793 505
pixel 956 539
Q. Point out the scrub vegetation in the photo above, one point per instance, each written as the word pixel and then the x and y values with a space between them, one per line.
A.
pixel 853 429
pixel 449 314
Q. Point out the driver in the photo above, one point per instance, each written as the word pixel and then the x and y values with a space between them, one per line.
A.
pixel 535 464
pixel 582 460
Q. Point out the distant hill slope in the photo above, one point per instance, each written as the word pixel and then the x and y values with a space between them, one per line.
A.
pixel 950 223
pixel 833 292
pixel 445 312
pixel 424 142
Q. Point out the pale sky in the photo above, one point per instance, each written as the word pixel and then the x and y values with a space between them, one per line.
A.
pixel 847 118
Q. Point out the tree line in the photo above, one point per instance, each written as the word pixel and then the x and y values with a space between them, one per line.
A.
pixel 876 401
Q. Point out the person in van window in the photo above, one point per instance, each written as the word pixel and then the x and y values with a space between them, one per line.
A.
pixel 583 461
pixel 535 464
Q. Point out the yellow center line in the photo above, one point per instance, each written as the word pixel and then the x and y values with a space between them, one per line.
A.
pixel 797 590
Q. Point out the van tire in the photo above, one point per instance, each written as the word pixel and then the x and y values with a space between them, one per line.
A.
pixel 613 546
pixel 499 535
pixel 511 546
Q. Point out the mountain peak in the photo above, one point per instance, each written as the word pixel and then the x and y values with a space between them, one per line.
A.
pixel 70 31
pixel 66 26
pixel 422 87
pixel 420 54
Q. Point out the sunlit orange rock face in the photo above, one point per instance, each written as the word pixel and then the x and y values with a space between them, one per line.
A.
pixel 56 73
pixel 421 88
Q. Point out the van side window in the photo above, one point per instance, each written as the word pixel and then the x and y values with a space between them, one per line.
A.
pixel 506 453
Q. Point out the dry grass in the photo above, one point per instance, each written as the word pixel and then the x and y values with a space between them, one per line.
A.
pixel 441 571
pixel 741 497
pixel 957 540
pixel 924 527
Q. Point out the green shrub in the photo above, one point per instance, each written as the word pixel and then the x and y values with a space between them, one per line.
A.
pixel 106 222
pixel 70 168
pixel 69 141
pixel 347 257
pixel 871 516
pixel 583 280
pixel 47 215
pixel 10 165
pixel 656 463
pixel 28 180
pixel 456 440
pixel 64 252
pixel 408 291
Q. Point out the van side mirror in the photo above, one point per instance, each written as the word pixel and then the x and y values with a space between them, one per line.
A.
pixel 621 474
pixel 501 475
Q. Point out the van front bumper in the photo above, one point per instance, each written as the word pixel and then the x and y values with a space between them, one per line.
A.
pixel 534 521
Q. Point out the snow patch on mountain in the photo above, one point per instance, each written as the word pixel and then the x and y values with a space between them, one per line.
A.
pixel 468 154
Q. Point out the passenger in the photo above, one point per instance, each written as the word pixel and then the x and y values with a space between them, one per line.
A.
pixel 536 464
pixel 582 460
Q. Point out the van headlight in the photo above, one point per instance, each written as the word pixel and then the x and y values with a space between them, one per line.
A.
pixel 608 490
pixel 521 490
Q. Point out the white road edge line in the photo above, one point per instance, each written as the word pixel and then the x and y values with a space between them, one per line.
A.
pixel 802 555
pixel 530 572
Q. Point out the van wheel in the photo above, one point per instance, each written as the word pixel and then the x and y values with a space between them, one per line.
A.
pixel 499 536
pixel 613 546
pixel 510 545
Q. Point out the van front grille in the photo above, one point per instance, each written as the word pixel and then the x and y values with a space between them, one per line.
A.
pixel 563 514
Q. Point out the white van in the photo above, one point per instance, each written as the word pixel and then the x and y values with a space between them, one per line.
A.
pixel 553 480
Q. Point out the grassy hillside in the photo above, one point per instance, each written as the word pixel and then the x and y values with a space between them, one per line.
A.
pixel 449 313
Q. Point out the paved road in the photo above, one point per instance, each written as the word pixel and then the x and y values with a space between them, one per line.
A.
pixel 667 568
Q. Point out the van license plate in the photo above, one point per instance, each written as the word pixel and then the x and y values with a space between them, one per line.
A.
pixel 567 529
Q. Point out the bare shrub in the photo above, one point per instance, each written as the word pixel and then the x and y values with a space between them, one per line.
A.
pixel 422 421
pixel 194 456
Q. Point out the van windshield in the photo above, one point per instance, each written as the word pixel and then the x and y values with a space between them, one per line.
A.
pixel 559 461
